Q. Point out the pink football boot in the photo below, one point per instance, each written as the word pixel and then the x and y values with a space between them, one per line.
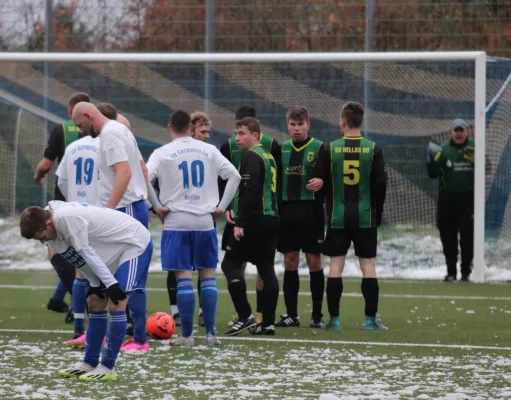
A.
pixel 80 342
pixel 131 346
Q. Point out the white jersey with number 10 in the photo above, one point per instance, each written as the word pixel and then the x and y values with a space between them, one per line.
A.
pixel 79 169
pixel 187 171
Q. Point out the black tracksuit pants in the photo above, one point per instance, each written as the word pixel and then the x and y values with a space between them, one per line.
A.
pixel 456 216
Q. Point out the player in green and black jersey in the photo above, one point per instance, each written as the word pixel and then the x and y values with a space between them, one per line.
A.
pixel 356 183
pixel 231 151
pixel 254 236
pixel 302 223
pixel 61 136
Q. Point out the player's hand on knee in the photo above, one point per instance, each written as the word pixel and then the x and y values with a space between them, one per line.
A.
pixel 97 291
pixel 229 217
pixel 315 184
pixel 238 233
pixel 115 293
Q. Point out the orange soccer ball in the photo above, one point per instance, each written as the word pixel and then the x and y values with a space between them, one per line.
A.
pixel 161 326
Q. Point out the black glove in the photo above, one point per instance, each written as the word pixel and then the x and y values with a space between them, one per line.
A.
pixel 379 218
pixel 115 294
pixel 98 291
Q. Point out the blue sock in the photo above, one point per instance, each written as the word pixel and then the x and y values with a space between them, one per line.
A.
pixel 185 305
pixel 96 331
pixel 138 307
pixel 59 293
pixel 208 300
pixel 79 299
pixel 115 337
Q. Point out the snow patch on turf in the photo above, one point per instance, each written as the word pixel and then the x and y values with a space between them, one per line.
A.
pixel 262 370
pixel 404 256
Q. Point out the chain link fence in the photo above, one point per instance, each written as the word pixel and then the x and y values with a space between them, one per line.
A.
pixel 257 25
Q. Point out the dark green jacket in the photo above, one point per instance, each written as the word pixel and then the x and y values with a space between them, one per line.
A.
pixel 454 167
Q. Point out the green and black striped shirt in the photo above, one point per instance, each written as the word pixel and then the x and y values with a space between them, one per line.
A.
pixel 258 187
pixel 230 151
pixel 356 183
pixel 297 164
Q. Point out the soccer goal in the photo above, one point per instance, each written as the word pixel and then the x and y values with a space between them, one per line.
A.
pixel 410 99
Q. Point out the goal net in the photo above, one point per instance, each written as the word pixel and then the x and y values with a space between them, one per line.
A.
pixel 409 101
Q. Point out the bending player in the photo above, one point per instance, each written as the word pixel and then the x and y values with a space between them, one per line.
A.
pixel 302 220
pixel 123 186
pixel 187 171
pixel 77 181
pixel 355 170
pixel 201 128
pixel 254 237
pixel 233 153
pixel 113 251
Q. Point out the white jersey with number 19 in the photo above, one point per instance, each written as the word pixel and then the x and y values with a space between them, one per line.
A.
pixel 78 172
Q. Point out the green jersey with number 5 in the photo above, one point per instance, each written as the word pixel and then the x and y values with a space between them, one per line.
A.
pixel 358 183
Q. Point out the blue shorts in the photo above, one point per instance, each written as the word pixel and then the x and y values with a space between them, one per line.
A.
pixel 189 250
pixel 137 210
pixel 132 274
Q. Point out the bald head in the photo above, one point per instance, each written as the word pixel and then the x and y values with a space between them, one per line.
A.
pixel 88 119
pixel 123 120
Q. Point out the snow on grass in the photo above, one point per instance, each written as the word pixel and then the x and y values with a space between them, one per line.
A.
pixel 258 370
pixel 401 254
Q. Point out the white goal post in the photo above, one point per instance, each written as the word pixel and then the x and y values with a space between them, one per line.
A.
pixel 477 57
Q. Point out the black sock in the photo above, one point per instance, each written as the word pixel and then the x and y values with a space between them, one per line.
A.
pixel 270 292
pixel 65 271
pixel 371 293
pixel 238 292
pixel 317 286
pixel 291 287
pixel 259 300
pixel 172 287
pixel 334 289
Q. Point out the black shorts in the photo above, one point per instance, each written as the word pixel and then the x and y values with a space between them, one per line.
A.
pixel 302 227
pixel 338 242
pixel 258 244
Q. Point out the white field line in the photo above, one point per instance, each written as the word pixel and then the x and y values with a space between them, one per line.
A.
pixel 302 341
pixel 387 295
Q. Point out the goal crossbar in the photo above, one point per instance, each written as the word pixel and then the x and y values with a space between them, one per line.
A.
pixel 244 57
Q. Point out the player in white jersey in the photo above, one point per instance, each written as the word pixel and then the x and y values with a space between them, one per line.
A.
pixel 187 171
pixel 78 178
pixel 78 171
pixel 113 251
pixel 123 185
pixel 201 128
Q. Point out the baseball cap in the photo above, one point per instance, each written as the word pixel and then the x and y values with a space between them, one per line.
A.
pixel 459 123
